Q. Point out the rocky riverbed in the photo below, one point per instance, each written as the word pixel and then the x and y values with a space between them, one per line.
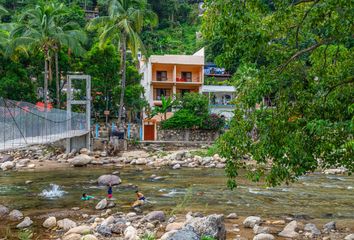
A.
pixel 108 224
pixel 42 158
pixel 104 220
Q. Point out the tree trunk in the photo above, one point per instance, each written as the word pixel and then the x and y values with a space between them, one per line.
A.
pixel 45 92
pixel 57 83
pixel 123 64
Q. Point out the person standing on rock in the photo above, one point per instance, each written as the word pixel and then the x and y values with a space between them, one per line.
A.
pixel 110 191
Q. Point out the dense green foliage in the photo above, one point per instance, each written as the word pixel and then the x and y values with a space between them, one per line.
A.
pixel 297 54
pixel 193 113
pixel 24 61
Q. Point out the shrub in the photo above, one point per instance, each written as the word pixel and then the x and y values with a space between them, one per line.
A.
pixel 182 119
pixel 213 122
pixel 195 103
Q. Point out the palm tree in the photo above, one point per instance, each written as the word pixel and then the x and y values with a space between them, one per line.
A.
pixel 42 28
pixel 122 26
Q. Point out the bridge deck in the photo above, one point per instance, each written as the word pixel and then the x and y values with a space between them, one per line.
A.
pixel 22 143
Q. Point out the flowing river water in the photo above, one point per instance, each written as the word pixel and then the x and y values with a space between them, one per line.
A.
pixel 324 197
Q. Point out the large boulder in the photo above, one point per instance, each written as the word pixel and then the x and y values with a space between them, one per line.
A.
pixel 7 166
pixel 212 225
pixel 264 236
pixel 184 234
pixel 27 222
pixel 105 180
pixel 50 222
pixel 15 215
pixel 81 160
pixel 251 221
pixel 66 224
pixel 102 204
pixel 4 211
pixel 155 215
pixel 130 233
pixel 290 230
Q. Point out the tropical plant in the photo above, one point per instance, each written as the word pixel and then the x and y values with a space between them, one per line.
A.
pixel 42 28
pixel 194 102
pixel 213 122
pixel 122 26
pixel 166 104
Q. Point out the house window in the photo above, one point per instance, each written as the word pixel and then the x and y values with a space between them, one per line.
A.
pixel 162 92
pixel 161 76
pixel 187 76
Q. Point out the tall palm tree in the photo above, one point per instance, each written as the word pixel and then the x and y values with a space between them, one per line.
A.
pixel 122 26
pixel 42 29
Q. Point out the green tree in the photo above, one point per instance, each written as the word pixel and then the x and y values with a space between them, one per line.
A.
pixel 41 29
pixel 166 104
pixel 294 79
pixel 123 24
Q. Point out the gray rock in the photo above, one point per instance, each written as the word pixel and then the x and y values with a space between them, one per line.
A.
pixel 15 215
pixel 79 230
pixel 4 211
pixel 104 230
pixel 310 227
pixel 50 222
pixel 81 160
pixel 119 228
pixel 27 222
pixel 184 234
pixel 108 221
pixel 101 204
pixel 290 230
pixel 349 237
pixel 258 229
pixel 6 158
pixel 232 216
pixel 329 226
pixel 156 215
pixel 111 204
pixel 212 225
pixel 66 224
pixel 177 166
pixel 251 221
pixel 73 236
pixel 264 236
pixel 109 179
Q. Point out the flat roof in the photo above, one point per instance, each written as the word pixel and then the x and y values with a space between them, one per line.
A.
pixel 195 59
pixel 217 88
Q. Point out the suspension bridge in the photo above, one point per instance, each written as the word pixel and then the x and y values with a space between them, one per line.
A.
pixel 24 124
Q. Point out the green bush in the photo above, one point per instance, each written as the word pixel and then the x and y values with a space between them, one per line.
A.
pixel 195 103
pixel 182 119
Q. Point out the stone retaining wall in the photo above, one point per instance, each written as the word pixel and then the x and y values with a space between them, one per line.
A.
pixel 190 135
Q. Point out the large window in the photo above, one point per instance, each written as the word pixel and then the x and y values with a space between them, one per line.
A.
pixel 161 76
pixel 159 92
pixel 187 76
